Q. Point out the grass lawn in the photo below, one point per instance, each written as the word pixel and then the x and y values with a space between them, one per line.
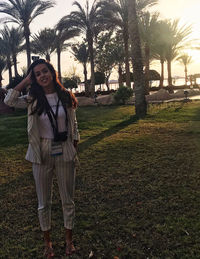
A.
pixel 137 187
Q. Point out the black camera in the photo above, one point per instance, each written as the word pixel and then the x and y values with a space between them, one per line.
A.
pixel 60 136
pixel 34 58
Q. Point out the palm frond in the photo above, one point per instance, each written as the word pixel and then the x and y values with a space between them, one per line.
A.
pixel 43 42
pixel 143 4
pixel 41 8
pixel 80 8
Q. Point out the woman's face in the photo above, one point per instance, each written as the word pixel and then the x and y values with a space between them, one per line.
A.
pixel 43 76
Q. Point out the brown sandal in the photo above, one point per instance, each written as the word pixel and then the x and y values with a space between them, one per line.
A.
pixel 70 249
pixel 48 252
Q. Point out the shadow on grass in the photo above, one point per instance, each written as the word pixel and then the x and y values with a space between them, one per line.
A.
pixel 82 146
pixel 95 139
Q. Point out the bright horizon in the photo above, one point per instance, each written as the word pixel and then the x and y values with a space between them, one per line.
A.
pixel 185 10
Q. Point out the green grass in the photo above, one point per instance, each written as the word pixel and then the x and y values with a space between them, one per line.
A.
pixel 137 187
pixel 12 129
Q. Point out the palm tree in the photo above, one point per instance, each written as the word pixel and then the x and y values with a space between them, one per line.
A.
pixel 43 43
pixel 16 40
pixel 80 52
pixel 116 12
pixel 23 12
pixel 5 49
pixel 63 32
pixel 12 39
pixel 148 25
pixel 87 20
pixel 139 82
pixel 177 38
pixel 159 48
pixel 185 59
pixel 160 55
pixel 167 48
pixel 7 53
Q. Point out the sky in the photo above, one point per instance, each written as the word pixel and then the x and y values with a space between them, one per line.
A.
pixel 185 10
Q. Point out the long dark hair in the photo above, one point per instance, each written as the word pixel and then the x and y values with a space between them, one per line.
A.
pixel 37 92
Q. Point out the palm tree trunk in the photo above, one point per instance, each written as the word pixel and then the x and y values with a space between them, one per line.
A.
pixel 186 75
pixel 147 55
pixel 139 82
pixel 28 49
pixel 85 79
pixel 126 48
pixel 59 63
pixel 120 81
pixel 162 74
pixel 15 65
pixel 169 68
pixel 91 54
pixel 9 69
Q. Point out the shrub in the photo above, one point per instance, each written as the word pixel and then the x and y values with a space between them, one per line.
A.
pixel 123 94
pixel 70 83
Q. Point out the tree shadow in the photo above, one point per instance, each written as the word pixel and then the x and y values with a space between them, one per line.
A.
pixel 95 139
pixel 25 178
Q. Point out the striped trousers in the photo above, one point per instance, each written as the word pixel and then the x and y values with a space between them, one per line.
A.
pixel 43 176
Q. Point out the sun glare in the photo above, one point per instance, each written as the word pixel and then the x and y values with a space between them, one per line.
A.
pixel 195 54
pixel 187 12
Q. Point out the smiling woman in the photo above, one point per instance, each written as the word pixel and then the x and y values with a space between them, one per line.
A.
pixel 44 78
pixel 53 138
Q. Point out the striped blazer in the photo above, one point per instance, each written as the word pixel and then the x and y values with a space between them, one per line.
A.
pixel 33 154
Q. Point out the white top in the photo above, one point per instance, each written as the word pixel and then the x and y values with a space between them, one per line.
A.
pixel 45 127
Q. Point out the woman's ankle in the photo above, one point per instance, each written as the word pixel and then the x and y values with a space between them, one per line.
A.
pixel 48 243
pixel 47 239
pixel 68 236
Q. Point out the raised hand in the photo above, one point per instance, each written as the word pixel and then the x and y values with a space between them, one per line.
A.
pixel 24 83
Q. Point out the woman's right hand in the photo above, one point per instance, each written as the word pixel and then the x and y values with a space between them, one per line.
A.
pixel 27 79
pixel 24 83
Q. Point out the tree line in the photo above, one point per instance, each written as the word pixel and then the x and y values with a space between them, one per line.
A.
pixel 122 34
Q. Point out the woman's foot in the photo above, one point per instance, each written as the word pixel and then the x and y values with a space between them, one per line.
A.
pixel 70 249
pixel 48 251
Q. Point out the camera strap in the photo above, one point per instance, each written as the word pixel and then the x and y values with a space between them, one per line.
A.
pixel 66 117
pixel 54 116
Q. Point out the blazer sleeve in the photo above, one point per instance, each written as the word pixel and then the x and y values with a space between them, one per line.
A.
pixel 14 99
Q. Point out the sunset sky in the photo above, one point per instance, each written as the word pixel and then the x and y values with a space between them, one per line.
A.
pixel 187 10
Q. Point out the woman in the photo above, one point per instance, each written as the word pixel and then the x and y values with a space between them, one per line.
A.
pixel 53 138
